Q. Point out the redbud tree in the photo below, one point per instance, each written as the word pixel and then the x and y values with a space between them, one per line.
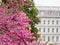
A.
pixel 17 22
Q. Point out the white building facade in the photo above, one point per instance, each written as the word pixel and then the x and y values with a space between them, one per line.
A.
pixel 49 27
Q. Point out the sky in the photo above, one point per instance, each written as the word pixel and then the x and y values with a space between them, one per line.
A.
pixel 47 2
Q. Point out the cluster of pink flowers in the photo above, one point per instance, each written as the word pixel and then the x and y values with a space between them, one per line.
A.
pixel 13 3
pixel 3 10
pixel 14 29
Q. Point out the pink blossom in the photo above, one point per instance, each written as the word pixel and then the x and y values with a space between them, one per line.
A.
pixel 12 3
pixel 14 26
pixel 21 0
pixel 14 29
pixel 3 10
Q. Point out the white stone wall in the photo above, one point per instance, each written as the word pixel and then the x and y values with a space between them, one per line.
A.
pixel 49 27
pixel 49 21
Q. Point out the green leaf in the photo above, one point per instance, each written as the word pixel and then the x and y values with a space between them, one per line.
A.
pixel 15 1
pixel 32 12
pixel 4 1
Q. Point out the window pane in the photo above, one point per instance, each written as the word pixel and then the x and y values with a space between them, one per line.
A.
pixel 52 21
pixel 40 29
pixel 50 12
pixel 48 38
pixel 53 38
pixel 48 29
pixel 57 30
pixel 44 22
pixel 52 29
pixel 48 21
pixel 57 22
pixel 43 38
pixel 42 13
pixel 43 29
pixel 59 13
pixel 57 38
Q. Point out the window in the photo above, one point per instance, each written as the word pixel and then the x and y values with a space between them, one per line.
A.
pixel 43 29
pixel 59 13
pixel 43 38
pixel 48 29
pixel 50 12
pixel 57 22
pixel 48 21
pixel 52 21
pixel 52 38
pixel 48 38
pixel 57 38
pixel 52 29
pixel 40 29
pixel 44 22
pixel 57 30
pixel 42 13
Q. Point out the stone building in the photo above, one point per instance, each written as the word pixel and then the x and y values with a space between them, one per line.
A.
pixel 49 27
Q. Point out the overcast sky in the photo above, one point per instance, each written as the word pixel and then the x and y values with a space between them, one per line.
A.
pixel 47 2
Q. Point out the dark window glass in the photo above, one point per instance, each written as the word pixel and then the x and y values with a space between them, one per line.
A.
pixel 57 22
pixel 57 38
pixel 48 30
pixel 43 29
pixel 57 30
pixel 52 21
pixel 48 21
pixel 44 22
pixel 48 38
pixel 40 29
pixel 52 29
pixel 52 38
pixel 43 38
